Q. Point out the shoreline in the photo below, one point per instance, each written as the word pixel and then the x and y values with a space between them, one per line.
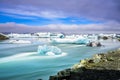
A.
pixel 103 66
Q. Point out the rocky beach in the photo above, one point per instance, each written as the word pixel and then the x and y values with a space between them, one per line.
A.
pixel 102 66
pixel 3 37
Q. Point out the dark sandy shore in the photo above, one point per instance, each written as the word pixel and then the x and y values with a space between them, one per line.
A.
pixel 103 66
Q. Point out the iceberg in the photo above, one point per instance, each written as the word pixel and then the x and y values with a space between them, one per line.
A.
pixel 49 50
pixel 19 42
pixel 71 41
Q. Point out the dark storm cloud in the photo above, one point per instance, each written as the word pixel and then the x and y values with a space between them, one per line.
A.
pixel 94 9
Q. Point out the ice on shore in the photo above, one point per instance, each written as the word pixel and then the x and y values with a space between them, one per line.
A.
pixel 49 50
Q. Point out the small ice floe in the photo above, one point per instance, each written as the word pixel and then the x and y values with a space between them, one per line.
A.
pixel 49 50
pixel 19 41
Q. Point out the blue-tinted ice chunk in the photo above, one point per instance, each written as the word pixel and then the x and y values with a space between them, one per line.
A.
pixel 44 50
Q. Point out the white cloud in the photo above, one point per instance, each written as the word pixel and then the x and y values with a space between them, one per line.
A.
pixel 95 9
pixel 51 14
pixel 44 14
pixel 62 26
pixel 18 16
pixel 74 28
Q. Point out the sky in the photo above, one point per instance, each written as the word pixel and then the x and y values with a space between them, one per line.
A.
pixel 68 16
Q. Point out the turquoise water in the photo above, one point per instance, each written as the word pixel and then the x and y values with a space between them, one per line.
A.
pixel 21 61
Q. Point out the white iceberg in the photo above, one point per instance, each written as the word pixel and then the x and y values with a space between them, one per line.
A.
pixel 70 41
pixel 19 42
pixel 49 50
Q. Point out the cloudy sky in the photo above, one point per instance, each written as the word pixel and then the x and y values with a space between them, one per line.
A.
pixel 69 16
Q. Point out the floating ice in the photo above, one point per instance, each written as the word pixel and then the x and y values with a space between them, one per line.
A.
pixel 71 41
pixel 49 50
pixel 20 41
pixel 50 53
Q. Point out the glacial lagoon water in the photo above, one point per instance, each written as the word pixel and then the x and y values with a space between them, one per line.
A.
pixel 22 62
